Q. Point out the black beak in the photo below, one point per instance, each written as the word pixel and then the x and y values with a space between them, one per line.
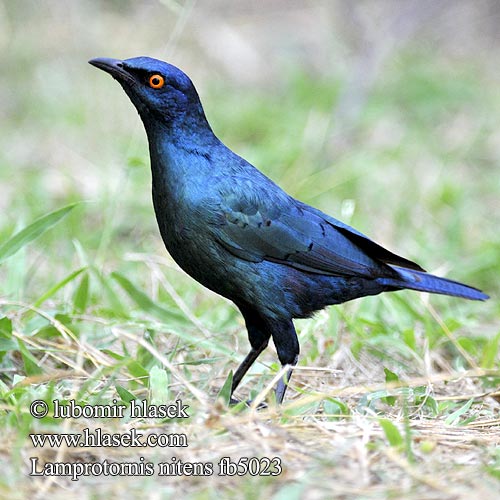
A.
pixel 115 67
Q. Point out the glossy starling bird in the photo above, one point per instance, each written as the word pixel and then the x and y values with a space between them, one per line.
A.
pixel 235 231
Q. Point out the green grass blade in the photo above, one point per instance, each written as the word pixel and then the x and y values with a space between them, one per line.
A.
pixel 31 364
pixel 144 302
pixel 225 391
pixel 49 293
pixel 125 395
pixel 158 385
pixel 81 297
pixel 391 433
pixel 7 342
pixel 454 418
pixel 33 231
pixel 118 309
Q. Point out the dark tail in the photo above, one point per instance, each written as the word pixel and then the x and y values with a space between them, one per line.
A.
pixel 416 280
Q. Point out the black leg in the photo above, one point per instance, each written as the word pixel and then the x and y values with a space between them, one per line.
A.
pixel 287 345
pixel 283 382
pixel 260 329
pixel 246 364
pixel 258 335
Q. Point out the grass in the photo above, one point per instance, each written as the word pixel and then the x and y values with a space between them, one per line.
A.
pixel 395 396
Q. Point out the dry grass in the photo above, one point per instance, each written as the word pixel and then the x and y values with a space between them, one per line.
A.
pixel 323 455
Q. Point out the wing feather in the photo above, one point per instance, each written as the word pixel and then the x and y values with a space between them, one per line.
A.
pixel 292 235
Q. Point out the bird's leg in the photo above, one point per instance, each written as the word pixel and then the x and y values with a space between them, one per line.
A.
pixel 260 329
pixel 258 335
pixel 283 382
pixel 287 345
pixel 246 364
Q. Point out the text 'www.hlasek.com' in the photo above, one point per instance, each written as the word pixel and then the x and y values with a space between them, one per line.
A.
pixel 89 438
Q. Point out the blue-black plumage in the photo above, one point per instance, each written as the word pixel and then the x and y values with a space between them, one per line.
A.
pixel 236 232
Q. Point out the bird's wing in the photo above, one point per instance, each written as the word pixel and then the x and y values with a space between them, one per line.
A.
pixel 289 232
pixel 366 244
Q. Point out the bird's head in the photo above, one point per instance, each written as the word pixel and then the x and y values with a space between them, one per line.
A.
pixel 160 91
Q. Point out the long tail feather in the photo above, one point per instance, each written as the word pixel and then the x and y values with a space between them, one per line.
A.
pixel 416 280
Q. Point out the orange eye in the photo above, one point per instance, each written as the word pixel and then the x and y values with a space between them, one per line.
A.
pixel 156 81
